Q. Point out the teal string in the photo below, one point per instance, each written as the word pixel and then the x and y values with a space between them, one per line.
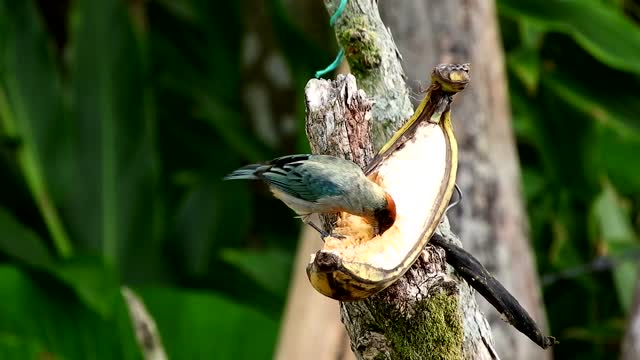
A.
pixel 336 15
pixel 338 59
pixel 332 66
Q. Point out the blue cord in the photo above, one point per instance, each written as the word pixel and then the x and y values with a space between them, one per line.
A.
pixel 343 4
pixel 332 66
pixel 332 21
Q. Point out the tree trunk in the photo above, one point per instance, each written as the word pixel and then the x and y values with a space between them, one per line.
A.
pixel 360 32
pixel 449 324
pixel 491 220
pixel 631 341
pixel 428 313
pixel 311 327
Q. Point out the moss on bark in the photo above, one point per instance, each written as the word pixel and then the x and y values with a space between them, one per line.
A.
pixel 434 329
pixel 360 44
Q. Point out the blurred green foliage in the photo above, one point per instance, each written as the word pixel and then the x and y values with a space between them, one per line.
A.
pixel 574 85
pixel 118 120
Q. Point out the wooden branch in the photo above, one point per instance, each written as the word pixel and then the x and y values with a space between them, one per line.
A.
pixel 144 326
pixel 374 60
pixel 631 341
pixel 427 312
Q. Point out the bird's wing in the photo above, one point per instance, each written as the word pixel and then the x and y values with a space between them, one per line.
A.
pixel 302 180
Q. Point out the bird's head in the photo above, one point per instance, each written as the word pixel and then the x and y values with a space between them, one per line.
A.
pixel 385 216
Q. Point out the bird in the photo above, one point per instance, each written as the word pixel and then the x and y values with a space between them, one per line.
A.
pixel 323 184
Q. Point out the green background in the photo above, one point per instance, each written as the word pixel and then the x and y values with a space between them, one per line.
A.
pixel 118 120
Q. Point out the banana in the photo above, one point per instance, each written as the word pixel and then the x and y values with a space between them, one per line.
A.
pixel 417 167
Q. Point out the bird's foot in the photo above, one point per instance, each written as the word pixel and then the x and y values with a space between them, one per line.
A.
pixel 323 233
pixel 455 203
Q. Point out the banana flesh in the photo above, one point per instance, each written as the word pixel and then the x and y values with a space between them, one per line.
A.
pixel 417 167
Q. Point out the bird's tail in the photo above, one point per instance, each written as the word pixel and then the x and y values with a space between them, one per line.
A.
pixel 246 172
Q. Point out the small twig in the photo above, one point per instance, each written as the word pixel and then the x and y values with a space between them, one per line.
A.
pixel 145 327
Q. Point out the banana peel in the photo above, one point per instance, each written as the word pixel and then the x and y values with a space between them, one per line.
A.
pixel 417 168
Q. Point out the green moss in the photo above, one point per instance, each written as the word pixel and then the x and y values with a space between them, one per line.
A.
pixel 434 332
pixel 360 44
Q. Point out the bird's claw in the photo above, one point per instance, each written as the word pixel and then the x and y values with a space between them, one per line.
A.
pixel 324 234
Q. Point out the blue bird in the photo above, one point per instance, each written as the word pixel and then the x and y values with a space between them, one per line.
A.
pixel 323 184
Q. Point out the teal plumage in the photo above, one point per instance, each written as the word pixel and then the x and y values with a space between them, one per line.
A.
pixel 320 184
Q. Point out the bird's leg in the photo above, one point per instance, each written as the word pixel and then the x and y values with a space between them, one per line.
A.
pixel 458 201
pixel 323 234
pixel 453 203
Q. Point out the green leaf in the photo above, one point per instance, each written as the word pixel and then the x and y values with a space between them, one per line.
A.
pixel 525 118
pixel 614 155
pixel 212 214
pixel 563 252
pixel 115 202
pixel 598 27
pixel 525 64
pixel 268 268
pixel 197 325
pixel 600 333
pixel 14 347
pixel 21 243
pixel 93 282
pixel 564 143
pixel 202 60
pixel 531 34
pixel 52 322
pixel 524 61
pixel 31 111
pixel 614 110
pixel 616 231
pixel 534 185
pixel 612 106
pixel 184 10
pixel 227 123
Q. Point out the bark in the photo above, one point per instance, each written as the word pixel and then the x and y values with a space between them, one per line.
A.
pixel 631 341
pixel 491 220
pixel 311 323
pixel 445 33
pixel 144 326
pixel 429 313
pixel 373 59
